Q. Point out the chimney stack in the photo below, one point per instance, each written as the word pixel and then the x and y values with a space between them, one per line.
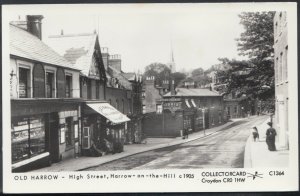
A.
pixel 150 80
pixel 115 61
pixel 34 25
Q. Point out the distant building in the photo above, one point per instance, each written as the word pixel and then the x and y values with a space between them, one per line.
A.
pixel 186 109
pixel 281 78
pixel 153 92
pixel 45 99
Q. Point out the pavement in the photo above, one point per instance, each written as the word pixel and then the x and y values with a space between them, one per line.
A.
pixel 81 163
pixel 257 154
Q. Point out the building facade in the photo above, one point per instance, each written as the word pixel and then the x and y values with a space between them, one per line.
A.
pixel 151 92
pixel 281 78
pixel 105 100
pixel 45 99
pixel 185 109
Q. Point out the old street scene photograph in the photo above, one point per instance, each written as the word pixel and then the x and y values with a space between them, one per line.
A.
pixel 148 87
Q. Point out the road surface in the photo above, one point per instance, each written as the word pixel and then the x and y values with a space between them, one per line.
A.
pixel 223 149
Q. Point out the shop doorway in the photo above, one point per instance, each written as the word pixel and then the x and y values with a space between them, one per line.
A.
pixel 53 137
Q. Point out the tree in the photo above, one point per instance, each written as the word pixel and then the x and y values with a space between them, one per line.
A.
pixel 258 38
pixel 254 77
pixel 159 71
pixel 197 72
pixel 178 77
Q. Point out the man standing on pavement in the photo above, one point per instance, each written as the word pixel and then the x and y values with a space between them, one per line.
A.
pixel 271 133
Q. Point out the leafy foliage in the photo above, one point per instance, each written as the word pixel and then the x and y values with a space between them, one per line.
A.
pixel 178 77
pixel 253 78
pixel 159 71
pixel 197 72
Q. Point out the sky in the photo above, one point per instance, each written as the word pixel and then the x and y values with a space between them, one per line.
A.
pixel 144 34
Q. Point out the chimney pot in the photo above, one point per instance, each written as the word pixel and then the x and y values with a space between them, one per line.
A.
pixel 34 25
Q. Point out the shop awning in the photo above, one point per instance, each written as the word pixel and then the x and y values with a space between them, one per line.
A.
pixel 109 112
pixel 193 103
pixel 187 103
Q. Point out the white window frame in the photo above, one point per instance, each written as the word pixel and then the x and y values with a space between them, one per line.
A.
pixel 29 66
pixel 71 87
pixel 159 108
pixel 50 70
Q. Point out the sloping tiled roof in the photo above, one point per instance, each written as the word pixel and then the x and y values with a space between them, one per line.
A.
pixel 129 76
pixel 122 80
pixel 24 44
pixel 78 49
pixel 193 92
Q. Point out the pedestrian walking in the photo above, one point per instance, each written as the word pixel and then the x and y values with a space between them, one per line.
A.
pixel 186 133
pixel 270 140
pixel 255 134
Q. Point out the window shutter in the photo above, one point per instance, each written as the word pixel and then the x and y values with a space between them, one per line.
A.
pixel 61 83
pixel 38 81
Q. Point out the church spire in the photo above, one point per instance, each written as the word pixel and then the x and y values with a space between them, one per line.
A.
pixel 172 62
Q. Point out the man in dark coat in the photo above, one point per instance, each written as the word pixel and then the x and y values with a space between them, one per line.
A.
pixel 270 139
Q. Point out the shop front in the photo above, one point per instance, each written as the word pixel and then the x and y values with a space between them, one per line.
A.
pixel 40 130
pixel 199 119
pixel 189 120
pixel 103 128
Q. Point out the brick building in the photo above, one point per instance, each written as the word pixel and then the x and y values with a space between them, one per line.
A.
pixel 281 78
pixel 45 99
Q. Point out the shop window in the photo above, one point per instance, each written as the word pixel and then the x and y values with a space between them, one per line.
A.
pixel 159 109
pixel 68 86
pixel 235 109
pixel 187 124
pixel 24 83
pixel 69 131
pixel 50 85
pixel 27 137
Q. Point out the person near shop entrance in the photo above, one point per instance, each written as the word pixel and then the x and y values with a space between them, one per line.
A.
pixel 255 134
pixel 186 133
pixel 270 140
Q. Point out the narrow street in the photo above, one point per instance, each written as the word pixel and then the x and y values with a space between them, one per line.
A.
pixel 224 149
